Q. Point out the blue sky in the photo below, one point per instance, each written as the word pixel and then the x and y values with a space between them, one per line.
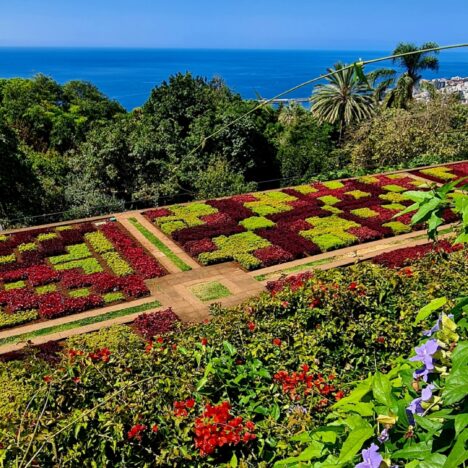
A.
pixel 302 24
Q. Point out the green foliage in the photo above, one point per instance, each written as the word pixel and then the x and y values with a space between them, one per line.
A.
pixel 238 247
pixel 256 222
pixel 397 227
pixel 117 264
pixel 365 212
pixel 220 180
pixel 424 133
pixel 46 288
pixel 113 297
pixel 99 242
pixel 18 318
pixel 15 285
pixel 89 265
pixel 366 327
pixel 82 292
pixel 75 252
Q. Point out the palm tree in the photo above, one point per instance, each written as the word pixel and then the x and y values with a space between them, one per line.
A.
pixel 380 81
pixel 415 63
pixel 343 100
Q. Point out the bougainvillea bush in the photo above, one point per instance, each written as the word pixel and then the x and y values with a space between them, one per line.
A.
pixel 246 389
pixel 51 272
pixel 266 228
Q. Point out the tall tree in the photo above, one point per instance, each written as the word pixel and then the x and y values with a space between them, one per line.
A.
pixel 413 64
pixel 345 99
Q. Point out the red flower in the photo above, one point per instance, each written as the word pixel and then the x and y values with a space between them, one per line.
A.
pixel 47 378
pixel 285 304
pixel 217 427
pixel 154 428
pixel 160 339
pixel 352 286
pixel 76 379
pixel 277 342
pixel 190 403
pixel 251 326
pixel 100 355
pixel 204 341
pixel 149 347
pixel 339 395
pixel 135 431
pixel 380 339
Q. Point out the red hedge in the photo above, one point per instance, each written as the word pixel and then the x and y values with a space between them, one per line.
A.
pixel 156 323
pixel 273 255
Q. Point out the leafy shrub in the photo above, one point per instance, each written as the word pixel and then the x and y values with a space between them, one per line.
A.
pixel 117 264
pixel 113 297
pixel 18 318
pixel 149 325
pixel 256 222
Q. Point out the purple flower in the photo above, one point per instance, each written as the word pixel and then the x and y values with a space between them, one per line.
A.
pixel 415 406
pixel 371 458
pixel 421 373
pixel 425 352
pixel 426 394
pixel 384 436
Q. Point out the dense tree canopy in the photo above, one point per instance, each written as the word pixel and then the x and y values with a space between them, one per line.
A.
pixel 70 149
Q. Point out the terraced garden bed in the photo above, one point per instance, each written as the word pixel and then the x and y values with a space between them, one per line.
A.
pixel 266 228
pixel 51 272
pixel 444 174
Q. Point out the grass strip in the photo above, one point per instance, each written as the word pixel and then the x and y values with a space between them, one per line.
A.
pixel 210 291
pixel 179 263
pixel 79 323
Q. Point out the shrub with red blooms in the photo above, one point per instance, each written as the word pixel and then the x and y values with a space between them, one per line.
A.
pixel 156 323
pixel 272 255
pixel 135 431
pixel 133 286
pixel 102 354
pixel 42 274
pixel 303 383
pixel 195 248
pixel 401 257
pixel 181 407
pixel 293 282
pixel 217 427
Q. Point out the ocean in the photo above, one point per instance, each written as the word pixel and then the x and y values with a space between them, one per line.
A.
pixel 128 75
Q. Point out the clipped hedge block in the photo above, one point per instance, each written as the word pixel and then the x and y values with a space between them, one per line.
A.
pixel 333 184
pixel 397 227
pixel 256 222
pixel 364 213
pixel 329 200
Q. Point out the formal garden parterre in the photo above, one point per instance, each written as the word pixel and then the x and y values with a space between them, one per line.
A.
pixel 51 272
pixel 445 173
pixel 266 228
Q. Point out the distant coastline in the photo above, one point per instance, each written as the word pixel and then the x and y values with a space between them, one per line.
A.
pixel 128 75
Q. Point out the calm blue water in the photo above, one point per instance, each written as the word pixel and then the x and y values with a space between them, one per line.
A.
pixel 128 75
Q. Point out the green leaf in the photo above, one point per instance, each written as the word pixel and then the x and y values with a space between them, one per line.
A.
pixel 313 451
pixel 275 412
pixel 382 390
pixel 418 451
pixel 357 394
pixel 461 421
pixel 354 443
pixel 417 196
pixel 456 387
pixel 427 310
pixel 229 348
pixel 436 460
pixel 364 409
pixel 201 383
pixel 459 454
pixel 425 209
pixel 233 461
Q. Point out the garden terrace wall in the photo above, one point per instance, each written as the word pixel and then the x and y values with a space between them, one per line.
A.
pixel 49 272
pixel 267 228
